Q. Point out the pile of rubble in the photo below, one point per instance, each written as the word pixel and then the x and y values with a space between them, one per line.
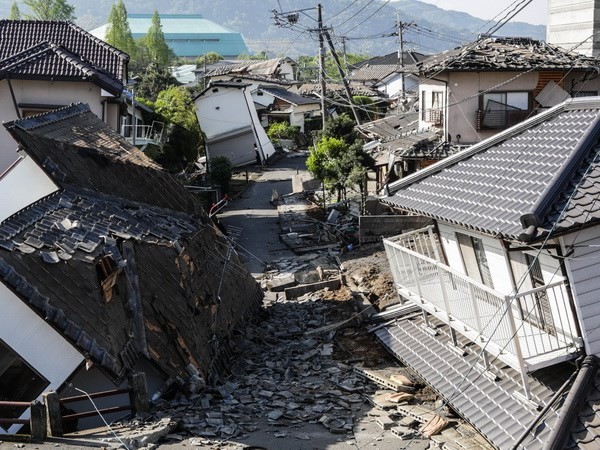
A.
pixel 290 373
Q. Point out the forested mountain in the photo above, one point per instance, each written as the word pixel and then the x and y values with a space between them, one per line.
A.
pixel 367 25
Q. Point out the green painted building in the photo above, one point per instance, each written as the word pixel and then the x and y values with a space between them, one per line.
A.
pixel 188 35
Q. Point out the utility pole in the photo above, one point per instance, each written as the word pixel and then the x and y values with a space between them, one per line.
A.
pixel 343 38
pixel 322 63
pixel 343 77
pixel 290 18
pixel 401 26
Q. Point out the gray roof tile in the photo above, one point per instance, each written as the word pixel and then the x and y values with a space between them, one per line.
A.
pixel 17 36
pixel 492 185
pixel 505 54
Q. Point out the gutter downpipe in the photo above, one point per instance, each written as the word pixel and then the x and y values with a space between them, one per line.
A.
pixel 573 402
pixel 543 412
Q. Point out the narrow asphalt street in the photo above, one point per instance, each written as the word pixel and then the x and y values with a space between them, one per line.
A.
pixel 256 219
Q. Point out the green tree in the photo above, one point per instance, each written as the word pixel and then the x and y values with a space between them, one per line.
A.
pixel 338 158
pixel 207 59
pixel 14 14
pixel 118 32
pixel 49 10
pixel 153 81
pixel 184 138
pixel 220 172
pixel 158 50
pixel 341 127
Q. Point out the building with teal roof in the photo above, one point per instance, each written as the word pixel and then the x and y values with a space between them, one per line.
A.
pixel 188 35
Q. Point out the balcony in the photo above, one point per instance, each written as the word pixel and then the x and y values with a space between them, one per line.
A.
pixel 527 331
pixel 433 116
pixel 144 134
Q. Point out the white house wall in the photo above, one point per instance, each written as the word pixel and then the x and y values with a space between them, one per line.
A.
pixel 36 342
pixel 222 111
pixel 41 93
pixel 462 118
pixel 21 185
pixel 583 267
pixel 494 254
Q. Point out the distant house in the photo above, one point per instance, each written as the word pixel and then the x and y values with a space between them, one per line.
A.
pixel 385 74
pixel 230 122
pixel 278 104
pixel 284 69
pixel 111 268
pixel 188 35
pixel 46 65
pixel 506 280
pixel 477 90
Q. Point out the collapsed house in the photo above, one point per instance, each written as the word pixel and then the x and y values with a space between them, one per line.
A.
pixel 108 266
pixel 506 280
pixel 228 118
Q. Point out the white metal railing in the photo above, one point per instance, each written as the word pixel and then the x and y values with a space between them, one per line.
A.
pixel 529 330
pixel 144 133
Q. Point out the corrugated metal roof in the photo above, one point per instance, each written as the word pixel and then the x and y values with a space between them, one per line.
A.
pixel 495 185
pixel 19 35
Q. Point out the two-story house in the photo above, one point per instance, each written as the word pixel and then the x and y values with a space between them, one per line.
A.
pixel 506 279
pixel 477 90
pixel 45 65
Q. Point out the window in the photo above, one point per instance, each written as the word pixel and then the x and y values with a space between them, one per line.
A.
pixel 539 313
pixel 474 259
pixel 19 382
pixel 499 110
pixel 432 111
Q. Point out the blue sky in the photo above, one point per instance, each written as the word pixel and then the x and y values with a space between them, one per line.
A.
pixel 534 13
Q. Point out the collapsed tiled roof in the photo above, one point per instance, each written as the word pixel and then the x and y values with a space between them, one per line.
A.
pixel 44 61
pixel 287 96
pixel 537 177
pixel 118 272
pixel 337 88
pixel 505 54
pixel 269 67
pixel 50 252
pixel 391 127
pixel 77 149
pixel 17 36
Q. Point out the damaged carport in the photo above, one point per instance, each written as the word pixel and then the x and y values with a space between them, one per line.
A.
pixel 238 146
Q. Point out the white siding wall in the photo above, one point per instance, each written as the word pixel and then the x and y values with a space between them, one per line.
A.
pixel 222 111
pixel 41 92
pixel 23 184
pixel 494 254
pixel 584 272
pixel 36 342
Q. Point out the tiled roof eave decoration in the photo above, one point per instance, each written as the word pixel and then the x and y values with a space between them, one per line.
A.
pixel 75 69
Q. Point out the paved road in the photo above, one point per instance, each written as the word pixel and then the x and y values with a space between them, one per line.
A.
pixel 253 213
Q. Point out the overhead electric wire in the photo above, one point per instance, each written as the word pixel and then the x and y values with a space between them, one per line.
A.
pixel 354 15
pixel 360 23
